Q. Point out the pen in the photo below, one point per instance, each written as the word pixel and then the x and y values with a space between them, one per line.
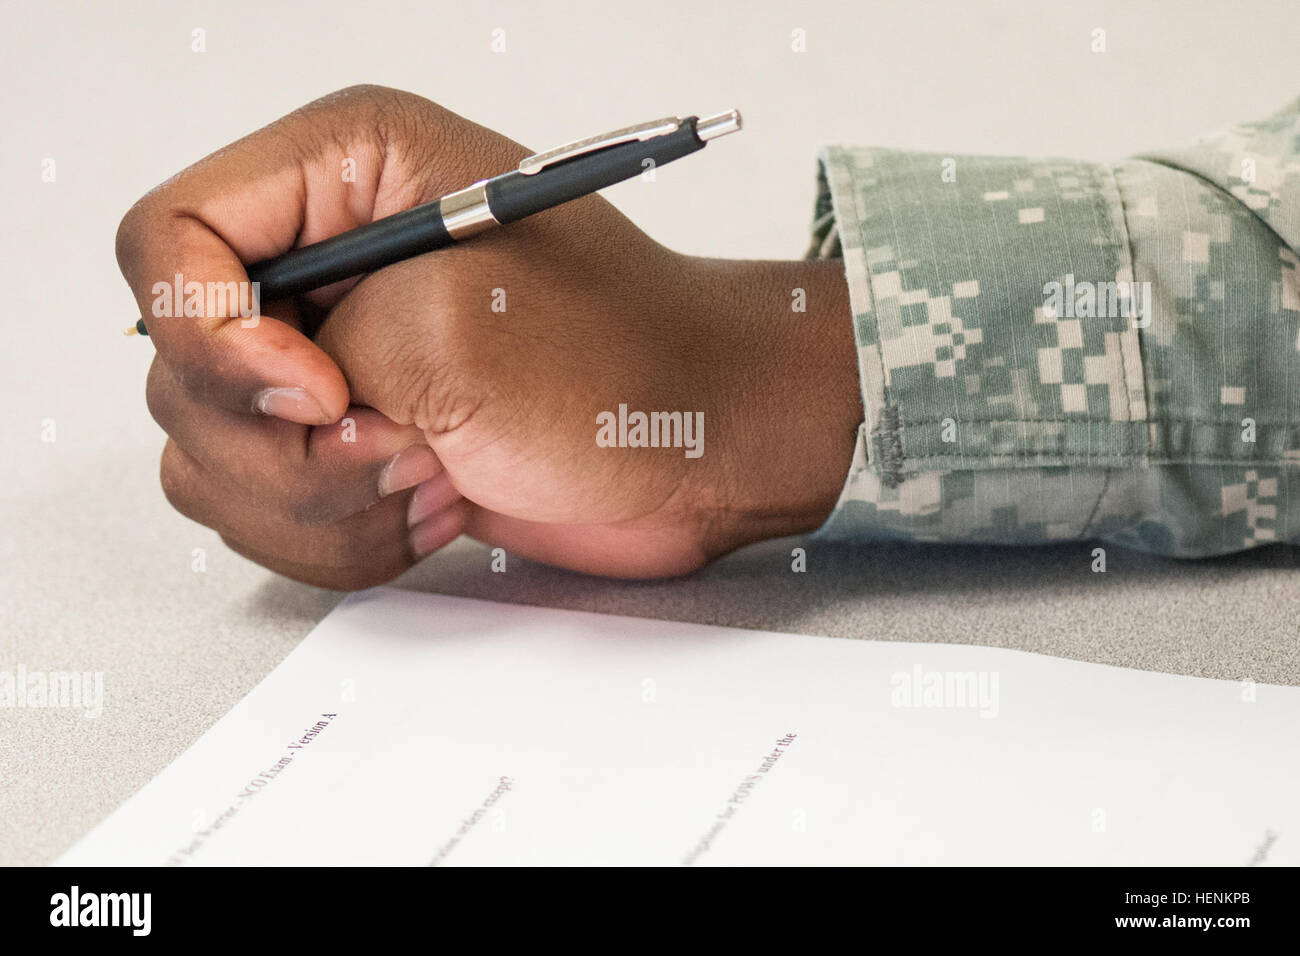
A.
pixel 540 182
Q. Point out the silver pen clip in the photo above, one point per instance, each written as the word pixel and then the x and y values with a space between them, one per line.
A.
pixel 706 129
pixel 642 131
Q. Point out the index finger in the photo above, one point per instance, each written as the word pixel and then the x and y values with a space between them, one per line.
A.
pixel 182 249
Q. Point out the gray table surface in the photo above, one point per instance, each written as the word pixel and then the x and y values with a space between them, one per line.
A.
pixel 96 570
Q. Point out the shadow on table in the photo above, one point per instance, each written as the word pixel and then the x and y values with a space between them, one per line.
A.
pixel 757 587
pixel 1224 617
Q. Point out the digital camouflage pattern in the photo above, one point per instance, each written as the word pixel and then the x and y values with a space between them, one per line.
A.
pixel 1058 350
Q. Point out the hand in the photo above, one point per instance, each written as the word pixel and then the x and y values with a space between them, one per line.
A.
pixel 469 418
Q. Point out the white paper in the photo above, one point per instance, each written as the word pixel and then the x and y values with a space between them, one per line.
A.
pixel 474 733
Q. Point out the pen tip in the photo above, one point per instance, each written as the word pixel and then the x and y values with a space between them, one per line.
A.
pixel 132 331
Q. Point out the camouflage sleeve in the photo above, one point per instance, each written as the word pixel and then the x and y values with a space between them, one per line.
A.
pixel 1054 350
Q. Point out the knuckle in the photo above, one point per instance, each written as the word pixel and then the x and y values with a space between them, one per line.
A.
pixel 371 92
pixel 397 115
pixel 176 478
pixel 131 233
pixel 158 396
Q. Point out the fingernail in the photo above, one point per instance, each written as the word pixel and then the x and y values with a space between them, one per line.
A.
pixel 410 466
pixel 291 404
pixel 436 532
pixel 430 497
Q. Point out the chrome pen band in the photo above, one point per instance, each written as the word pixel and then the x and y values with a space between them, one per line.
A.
pixel 466 212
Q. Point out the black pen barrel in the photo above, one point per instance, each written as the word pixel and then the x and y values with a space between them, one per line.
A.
pixel 365 249
pixel 503 199
pixel 515 195
pixel 510 197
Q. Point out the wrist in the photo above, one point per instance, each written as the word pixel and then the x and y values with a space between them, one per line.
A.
pixel 789 401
